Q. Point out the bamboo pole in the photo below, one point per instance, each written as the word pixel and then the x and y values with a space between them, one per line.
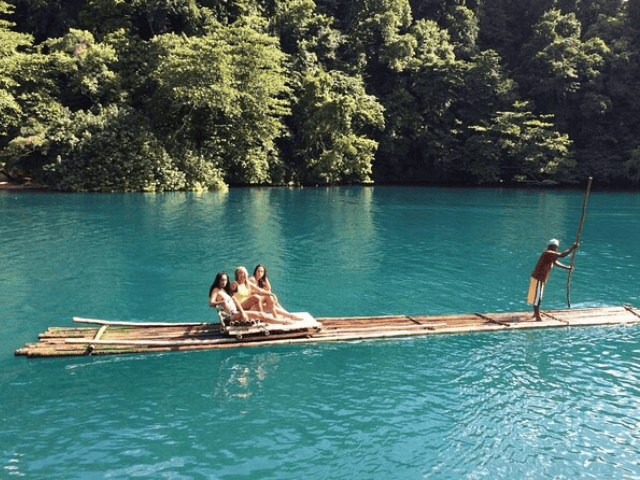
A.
pixel 150 343
pixel 137 324
pixel 573 254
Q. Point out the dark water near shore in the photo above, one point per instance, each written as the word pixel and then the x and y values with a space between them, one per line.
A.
pixel 559 403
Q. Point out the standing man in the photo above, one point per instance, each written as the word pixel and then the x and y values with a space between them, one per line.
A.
pixel 539 276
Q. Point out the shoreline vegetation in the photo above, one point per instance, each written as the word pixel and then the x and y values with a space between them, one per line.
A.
pixel 36 187
pixel 103 96
pixel 28 184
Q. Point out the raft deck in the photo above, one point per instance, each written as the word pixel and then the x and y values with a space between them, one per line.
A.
pixel 109 338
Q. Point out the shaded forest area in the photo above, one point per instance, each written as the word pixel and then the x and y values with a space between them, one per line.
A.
pixel 163 95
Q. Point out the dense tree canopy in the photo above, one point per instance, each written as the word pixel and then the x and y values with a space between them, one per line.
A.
pixel 161 95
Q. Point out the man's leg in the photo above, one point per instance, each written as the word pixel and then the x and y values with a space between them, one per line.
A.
pixel 537 300
pixel 534 295
pixel 536 313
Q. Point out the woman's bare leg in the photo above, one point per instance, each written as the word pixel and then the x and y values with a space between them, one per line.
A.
pixel 271 306
pixel 266 318
pixel 282 312
pixel 253 303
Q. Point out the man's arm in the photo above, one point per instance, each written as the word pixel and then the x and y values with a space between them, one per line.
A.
pixel 568 250
pixel 561 265
pixel 564 254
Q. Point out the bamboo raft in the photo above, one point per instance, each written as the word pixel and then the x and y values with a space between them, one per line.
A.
pixel 109 338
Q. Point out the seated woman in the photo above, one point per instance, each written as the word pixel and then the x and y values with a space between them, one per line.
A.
pixel 269 300
pixel 248 299
pixel 231 310
pixel 259 277
pixel 233 290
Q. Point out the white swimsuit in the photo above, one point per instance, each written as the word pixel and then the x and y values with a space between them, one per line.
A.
pixel 229 307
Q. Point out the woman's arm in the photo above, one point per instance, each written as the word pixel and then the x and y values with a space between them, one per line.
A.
pixel 213 302
pixel 239 308
pixel 260 291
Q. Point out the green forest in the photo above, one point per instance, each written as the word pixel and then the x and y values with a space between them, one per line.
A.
pixel 166 95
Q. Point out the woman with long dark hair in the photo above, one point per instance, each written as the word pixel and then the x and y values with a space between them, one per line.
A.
pixel 268 301
pixel 259 277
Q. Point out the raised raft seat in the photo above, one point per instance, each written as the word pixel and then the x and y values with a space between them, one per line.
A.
pixel 306 327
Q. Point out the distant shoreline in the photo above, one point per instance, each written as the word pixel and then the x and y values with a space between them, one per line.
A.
pixel 21 186
pixel 12 186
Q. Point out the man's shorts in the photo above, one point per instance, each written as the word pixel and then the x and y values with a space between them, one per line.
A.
pixel 536 288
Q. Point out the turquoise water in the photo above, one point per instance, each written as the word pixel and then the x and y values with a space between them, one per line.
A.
pixel 559 403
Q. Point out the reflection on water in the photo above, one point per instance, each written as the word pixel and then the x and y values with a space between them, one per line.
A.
pixel 240 377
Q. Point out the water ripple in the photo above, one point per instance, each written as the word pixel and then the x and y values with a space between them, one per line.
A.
pixel 558 404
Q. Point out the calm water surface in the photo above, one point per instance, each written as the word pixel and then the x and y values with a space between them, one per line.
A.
pixel 557 404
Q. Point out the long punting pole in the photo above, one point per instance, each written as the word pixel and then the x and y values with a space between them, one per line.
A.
pixel 573 254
